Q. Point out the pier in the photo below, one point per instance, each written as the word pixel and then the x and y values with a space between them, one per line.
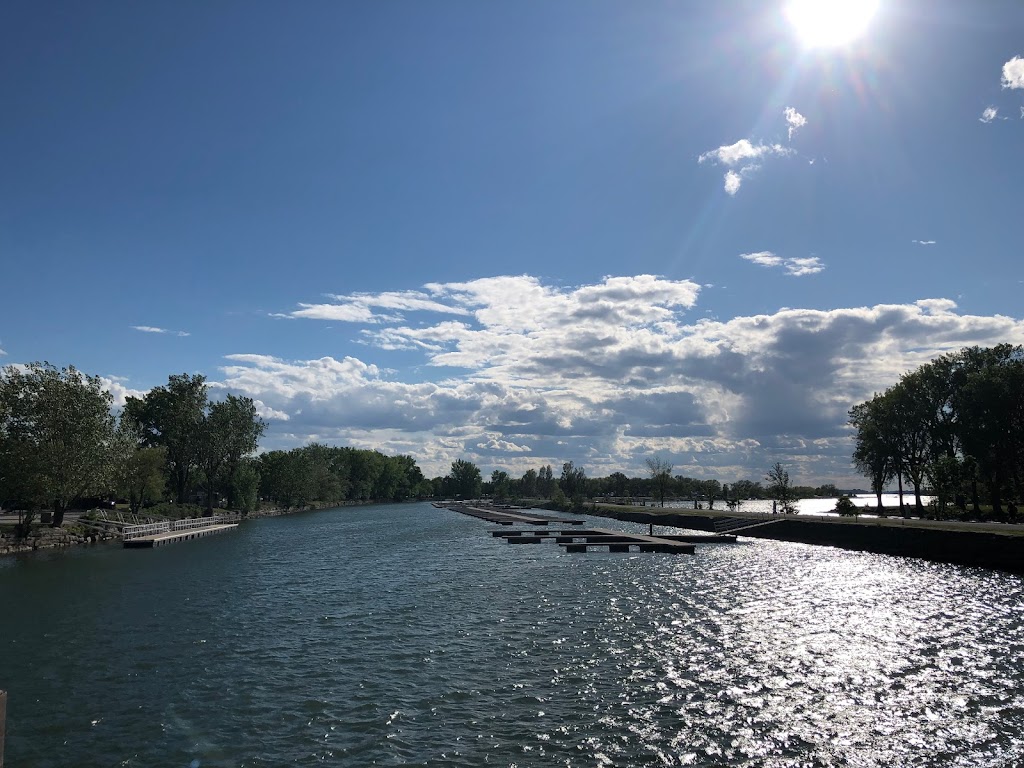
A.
pixel 505 516
pixel 581 539
pixel 169 532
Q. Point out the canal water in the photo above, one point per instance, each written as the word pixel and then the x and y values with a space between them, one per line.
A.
pixel 406 635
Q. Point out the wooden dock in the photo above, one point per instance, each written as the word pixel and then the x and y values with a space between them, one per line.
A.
pixel 614 541
pixel 170 532
pixel 506 516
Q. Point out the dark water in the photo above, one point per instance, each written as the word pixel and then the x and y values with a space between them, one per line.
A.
pixel 407 636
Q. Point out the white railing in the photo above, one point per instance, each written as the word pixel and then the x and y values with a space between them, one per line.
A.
pixel 146 529
pixel 150 529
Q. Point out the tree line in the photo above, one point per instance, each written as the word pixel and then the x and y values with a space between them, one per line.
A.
pixel 62 443
pixel 573 486
pixel 955 424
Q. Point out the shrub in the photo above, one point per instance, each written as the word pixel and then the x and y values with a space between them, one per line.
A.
pixel 846 508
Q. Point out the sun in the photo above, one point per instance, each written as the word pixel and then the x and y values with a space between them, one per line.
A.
pixel 830 23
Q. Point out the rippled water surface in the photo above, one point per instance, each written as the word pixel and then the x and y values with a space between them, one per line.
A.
pixel 405 635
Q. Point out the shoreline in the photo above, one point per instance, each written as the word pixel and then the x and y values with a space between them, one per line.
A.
pixel 998 546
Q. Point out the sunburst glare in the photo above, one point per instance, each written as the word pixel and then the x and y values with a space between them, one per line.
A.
pixel 830 23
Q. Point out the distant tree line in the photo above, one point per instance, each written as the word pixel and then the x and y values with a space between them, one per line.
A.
pixel 465 481
pixel 955 424
pixel 332 475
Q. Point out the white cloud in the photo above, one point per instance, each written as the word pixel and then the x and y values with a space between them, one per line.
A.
pixel 745 155
pixel 360 307
pixel 609 372
pixel 797 267
pixel 1013 73
pixel 115 386
pixel 806 266
pixel 794 120
pixel 152 329
pixel 989 114
pixel 741 151
pixel 732 182
pixel 923 242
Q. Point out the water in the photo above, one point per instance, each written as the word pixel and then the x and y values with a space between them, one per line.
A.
pixel 405 635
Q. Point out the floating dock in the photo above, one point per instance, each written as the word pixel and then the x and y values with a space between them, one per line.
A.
pixel 615 541
pixel 582 539
pixel 157 534
pixel 506 516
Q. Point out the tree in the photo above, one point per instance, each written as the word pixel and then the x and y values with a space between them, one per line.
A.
pixel 546 482
pixel 140 475
pixel 779 488
pixel 228 432
pixel 661 475
pixel 466 481
pixel 573 482
pixel 528 484
pixel 845 507
pixel 874 453
pixel 56 436
pixel 172 417
pixel 500 484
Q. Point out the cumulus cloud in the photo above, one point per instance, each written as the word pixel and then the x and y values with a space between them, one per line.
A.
pixel 742 154
pixel 989 114
pixel 794 120
pixel 797 267
pixel 119 391
pixel 610 372
pixel 362 307
pixel 732 182
pixel 153 329
pixel 1013 73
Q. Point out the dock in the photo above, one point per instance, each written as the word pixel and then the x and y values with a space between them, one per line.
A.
pixel 578 539
pixel 172 531
pixel 615 541
pixel 506 516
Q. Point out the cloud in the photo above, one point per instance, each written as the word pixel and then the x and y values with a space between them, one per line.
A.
pixel 923 242
pixel 1013 73
pixel 989 114
pixel 797 267
pixel 529 373
pixel 745 155
pixel 361 307
pixel 794 120
pixel 152 329
pixel 116 387
pixel 742 151
pixel 732 182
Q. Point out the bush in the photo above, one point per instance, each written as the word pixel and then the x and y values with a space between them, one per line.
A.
pixel 846 508
pixel 172 511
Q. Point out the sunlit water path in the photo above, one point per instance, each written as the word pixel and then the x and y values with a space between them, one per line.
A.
pixel 405 635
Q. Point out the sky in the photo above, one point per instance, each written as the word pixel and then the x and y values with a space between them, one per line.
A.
pixel 519 233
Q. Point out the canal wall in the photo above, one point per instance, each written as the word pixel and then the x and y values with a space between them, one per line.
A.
pixel 904 538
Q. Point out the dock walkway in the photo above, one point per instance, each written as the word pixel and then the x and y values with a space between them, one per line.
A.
pixel 171 531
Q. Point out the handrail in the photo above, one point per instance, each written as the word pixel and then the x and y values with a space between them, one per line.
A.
pixel 185 524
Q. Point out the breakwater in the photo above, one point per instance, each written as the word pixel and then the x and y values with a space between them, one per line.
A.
pixel 960 543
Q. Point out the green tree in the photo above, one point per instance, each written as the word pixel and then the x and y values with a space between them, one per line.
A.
pixel 661 475
pixel 466 481
pixel 172 417
pixel 546 482
pixel 56 436
pixel 500 484
pixel 229 431
pixel 845 507
pixel 573 482
pixel 528 484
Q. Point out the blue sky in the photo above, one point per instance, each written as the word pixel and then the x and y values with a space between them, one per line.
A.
pixel 516 232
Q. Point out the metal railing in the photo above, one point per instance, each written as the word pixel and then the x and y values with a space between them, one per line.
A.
pixel 151 529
